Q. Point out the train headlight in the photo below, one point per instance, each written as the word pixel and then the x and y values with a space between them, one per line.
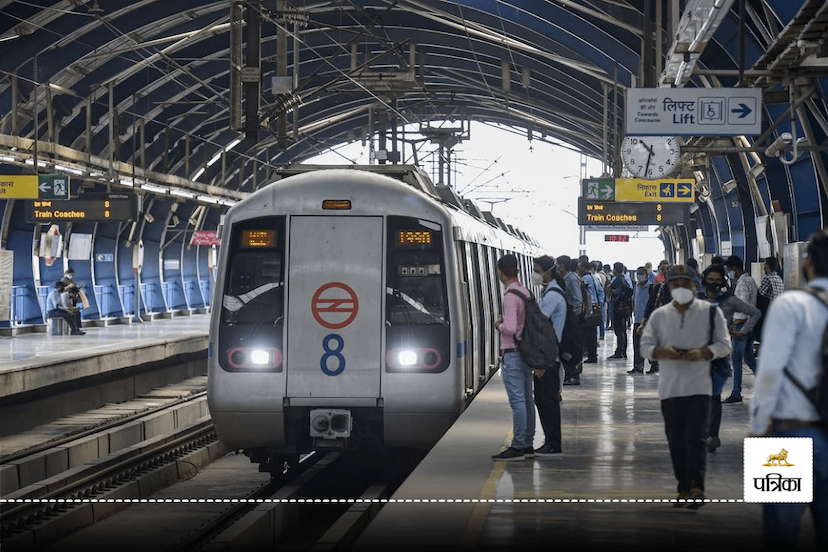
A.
pixel 259 357
pixel 406 358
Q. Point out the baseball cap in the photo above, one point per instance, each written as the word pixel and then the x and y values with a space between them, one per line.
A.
pixel 681 271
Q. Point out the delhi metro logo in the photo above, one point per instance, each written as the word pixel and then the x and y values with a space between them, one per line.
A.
pixel 334 305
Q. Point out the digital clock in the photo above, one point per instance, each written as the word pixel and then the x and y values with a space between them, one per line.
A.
pixel 616 237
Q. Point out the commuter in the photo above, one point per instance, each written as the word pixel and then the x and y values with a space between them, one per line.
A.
pixel 641 296
pixel 596 296
pixel 662 272
pixel 678 336
pixel 622 309
pixel 517 376
pixel 548 382
pixel 574 299
pixel 608 295
pixel 648 267
pixel 770 288
pixel 792 339
pixel 719 261
pixel 56 307
pixel 746 290
pixel 598 272
pixel 694 264
pixel 716 292
pixel 659 296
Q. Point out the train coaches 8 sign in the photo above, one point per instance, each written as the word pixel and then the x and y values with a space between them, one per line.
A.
pixel 86 208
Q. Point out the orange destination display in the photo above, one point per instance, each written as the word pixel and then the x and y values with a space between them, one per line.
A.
pixel 258 238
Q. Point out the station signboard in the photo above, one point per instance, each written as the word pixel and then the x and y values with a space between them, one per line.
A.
pixel 113 207
pixel 34 186
pixel 694 111
pixel 611 213
pixel 665 190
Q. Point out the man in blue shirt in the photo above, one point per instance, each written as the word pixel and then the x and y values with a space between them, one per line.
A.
pixel 55 308
pixel 596 297
pixel 622 299
pixel 574 299
pixel 641 296
pixel 792 339
pixel 548 382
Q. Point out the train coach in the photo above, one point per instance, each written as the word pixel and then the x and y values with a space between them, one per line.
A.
pixel 353 305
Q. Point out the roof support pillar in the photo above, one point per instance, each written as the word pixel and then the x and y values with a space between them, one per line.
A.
pixel 112 129
pixel 89 125
pixel 281 71
pixel 253 62
pixel 815 156
pixel 50 120
pixel 14 95
pixel 143 137
pixel 186 155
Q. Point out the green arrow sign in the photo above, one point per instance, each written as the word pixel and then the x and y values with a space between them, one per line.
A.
pixel 602 189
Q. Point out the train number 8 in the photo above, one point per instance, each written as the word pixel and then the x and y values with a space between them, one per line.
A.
pixel 335 353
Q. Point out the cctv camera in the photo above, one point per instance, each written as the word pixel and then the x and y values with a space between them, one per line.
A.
pixel 729 186
pixel 775 149
pixel 175 220
pixel 149 218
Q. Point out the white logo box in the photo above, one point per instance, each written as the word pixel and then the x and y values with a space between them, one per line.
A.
pixel 772 475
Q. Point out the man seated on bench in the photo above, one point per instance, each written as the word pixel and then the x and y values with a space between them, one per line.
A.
pixel 56 308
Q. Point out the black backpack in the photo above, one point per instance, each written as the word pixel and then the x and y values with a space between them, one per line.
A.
pixel 538 344
pixel 571 346
pixel 819 394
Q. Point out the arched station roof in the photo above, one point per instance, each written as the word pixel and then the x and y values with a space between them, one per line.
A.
pixel 158 92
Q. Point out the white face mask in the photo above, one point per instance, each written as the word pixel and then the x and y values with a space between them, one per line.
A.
pixel 731 274
pixel 537 279
pixel 682 296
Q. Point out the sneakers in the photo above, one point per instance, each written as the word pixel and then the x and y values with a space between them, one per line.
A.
pixel 635 371
pixel 528 452
pixel 733 399
pixel 546 451
pixel 616 356
pixel 713 443
pixel 509 455
pixel 695 499
pixel 572 381
pixel 652 370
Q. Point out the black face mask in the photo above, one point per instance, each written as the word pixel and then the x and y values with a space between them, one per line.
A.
pixel 713 287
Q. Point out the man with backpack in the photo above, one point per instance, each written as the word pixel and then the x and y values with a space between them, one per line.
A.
pixel 548 382
pixel 516 374
pixel 593 295
pixel 791 392
pixel 575 300
pixel 621 310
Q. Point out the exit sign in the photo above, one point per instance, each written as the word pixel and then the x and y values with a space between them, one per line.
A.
pixel 616 237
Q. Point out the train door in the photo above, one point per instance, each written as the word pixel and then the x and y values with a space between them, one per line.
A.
pixel 468 334
pixel 335 298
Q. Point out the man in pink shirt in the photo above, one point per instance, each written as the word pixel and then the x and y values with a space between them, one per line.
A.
pixel 517 376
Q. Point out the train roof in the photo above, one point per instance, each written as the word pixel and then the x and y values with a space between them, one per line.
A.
pixel 415 177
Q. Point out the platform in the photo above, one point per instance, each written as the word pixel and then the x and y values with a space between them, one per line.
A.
pixel 612 489
pixel 37 360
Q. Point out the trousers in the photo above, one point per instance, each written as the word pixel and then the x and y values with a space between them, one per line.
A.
pixel 686 422
pixel 547 388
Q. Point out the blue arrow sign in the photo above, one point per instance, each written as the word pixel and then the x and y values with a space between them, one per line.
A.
pixel 743 111
pixel 684 190
pixel 666 189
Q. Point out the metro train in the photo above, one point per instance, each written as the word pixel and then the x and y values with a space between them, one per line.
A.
pixel 353 305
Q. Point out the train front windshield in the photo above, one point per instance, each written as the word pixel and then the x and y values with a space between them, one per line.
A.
pixel 417 318
pixel 252 313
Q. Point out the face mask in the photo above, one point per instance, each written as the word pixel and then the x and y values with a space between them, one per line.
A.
pixel 641 277
pixel 713 287
pixel 537 279
pixel 731 274
pixel 682 296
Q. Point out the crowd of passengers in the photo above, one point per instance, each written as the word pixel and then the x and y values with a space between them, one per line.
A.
pixel 696 331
